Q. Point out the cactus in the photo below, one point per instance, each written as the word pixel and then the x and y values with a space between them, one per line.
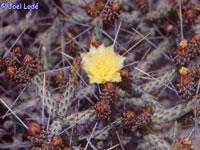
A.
pixel 154 86
pixel 173 113
pixel 129 75
pixel 157 142
pixel 80 118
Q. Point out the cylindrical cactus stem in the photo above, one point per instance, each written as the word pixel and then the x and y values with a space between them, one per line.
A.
pixel 79 118
pixel 134 101
pixel 49 102
pixel 149 100
pixel 67 100
pixel 56 127
pixel 158 143
pixel 144 101
pixel 155 85
pixel 173 113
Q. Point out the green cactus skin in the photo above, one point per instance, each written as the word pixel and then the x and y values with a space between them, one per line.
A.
pixel 144 101
pixel 158 143
pixel 66 101
pixel 78 118
pixel 56 127
pixel 154 86
pixel 61 109
pixel 173 113
pixel 81 117
pixel 48 100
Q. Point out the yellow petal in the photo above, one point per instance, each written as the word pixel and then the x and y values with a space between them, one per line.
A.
pixel 102 64
pixel 117 78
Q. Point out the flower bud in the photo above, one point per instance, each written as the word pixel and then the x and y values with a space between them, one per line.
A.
pixel 34 129
pixel 56 141
pixel 11 70
pixel 27 59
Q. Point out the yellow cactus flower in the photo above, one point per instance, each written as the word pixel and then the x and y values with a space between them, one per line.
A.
pixel 183 71
pixel 183 43
pixel 102 64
